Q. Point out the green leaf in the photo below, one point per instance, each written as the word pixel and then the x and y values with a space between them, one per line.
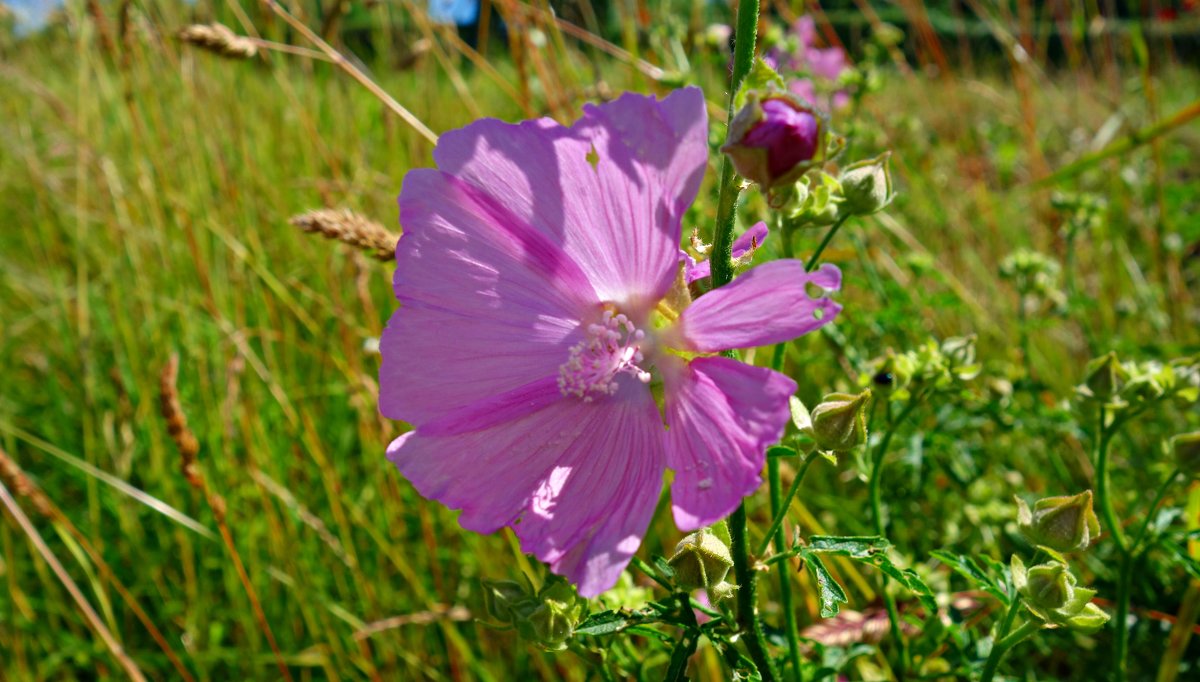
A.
pixel 969 569
pixel 829 591
pixel 853 546
pixel 871 549
pixel 609 622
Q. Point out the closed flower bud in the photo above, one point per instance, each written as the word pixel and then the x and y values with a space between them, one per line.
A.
pixel 1187 453
pixel 1064 524
pixel 553 621
pixel 1105 378
pixel 774 139
pixel 839 423
pixel 507 601
pixel 1049 586
pixel 867 186
pixel 1050 593
pixel 701 561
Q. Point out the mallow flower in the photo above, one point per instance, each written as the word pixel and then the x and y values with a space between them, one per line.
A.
pixel 546 352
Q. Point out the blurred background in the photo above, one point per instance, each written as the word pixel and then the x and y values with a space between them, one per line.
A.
pixel 154 288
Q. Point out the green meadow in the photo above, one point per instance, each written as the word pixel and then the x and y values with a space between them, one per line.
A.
pixel 1047 205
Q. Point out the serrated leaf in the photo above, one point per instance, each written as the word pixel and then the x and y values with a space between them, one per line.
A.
pixel 853 546
pixel 829 591
pixel 969 569
pixel 604 623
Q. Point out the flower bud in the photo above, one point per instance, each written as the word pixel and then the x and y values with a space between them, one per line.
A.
pixel 1050 593
pixel 1064 524
pixel 774 139
pixel 1186 447
pixel 553 621
pixel 839 423
pixel 867 186
pixel 1049 586
pixel 1105 378
pixel 701 561
pixel 507 601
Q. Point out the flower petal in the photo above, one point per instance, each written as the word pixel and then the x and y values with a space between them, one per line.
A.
pixel 611 189
pixel 578 482
pixel 722 416
pixel 768 304
pixel 489 303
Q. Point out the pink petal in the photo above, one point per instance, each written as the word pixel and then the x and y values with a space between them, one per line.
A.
pixel 768 304
pixel 578 482
pixel 489 304
pixel 722 416
pixel 619 217
pixel 748 241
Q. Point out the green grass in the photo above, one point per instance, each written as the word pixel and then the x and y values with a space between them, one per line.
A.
pixel 146 208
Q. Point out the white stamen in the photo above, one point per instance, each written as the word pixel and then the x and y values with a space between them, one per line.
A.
pixel 611 347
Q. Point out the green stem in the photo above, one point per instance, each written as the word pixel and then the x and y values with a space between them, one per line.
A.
pixel 743 59
pixel 747 595
pixel 1125 584
pixel 1120 619
pixel 889 601
pixel 1105 435
pixel 779 511
pixel 989 668
pixel 1002 646
pixel 812 260
pixel 722 273
pixel 775 530
pixel 1158 498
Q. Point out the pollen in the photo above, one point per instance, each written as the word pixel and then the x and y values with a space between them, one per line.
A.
pixel 611 347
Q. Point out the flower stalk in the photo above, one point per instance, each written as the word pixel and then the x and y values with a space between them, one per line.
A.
pixel 722 274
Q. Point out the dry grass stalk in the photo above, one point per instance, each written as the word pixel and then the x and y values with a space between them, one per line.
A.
pixel 89 613
pixel 219 39
pixel 439 612
pixel 13 476
pixel 185 441
pixel 189 447
pixel 351 228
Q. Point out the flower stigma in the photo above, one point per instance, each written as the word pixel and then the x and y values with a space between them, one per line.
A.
pixel 610 347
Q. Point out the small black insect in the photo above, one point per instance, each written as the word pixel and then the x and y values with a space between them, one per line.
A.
pixel 883 379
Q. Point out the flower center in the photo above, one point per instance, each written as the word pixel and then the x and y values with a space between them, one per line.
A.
pixel 610 347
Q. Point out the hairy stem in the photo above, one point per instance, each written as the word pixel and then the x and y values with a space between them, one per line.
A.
pixel 989 668
pixel 747 595
pixel 783 569
pixel 743 58
pixel 722 272
pixel 1006 641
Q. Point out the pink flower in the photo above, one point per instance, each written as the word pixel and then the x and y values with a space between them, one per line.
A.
pixel 534 334
pixel 826 64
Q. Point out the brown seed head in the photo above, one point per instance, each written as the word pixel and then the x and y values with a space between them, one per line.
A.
pixel 219 39
pixel 351 228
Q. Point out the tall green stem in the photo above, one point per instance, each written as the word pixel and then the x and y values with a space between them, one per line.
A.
pixel 778 511
pixel 747 595
pixel 1006 641
pixel 1120 621
pixel 722 272
pixel 989 668
pixel 812 260
pixel 743 58
pixel 877 518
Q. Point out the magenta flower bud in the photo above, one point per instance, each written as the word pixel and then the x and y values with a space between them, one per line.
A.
pixel 773 140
